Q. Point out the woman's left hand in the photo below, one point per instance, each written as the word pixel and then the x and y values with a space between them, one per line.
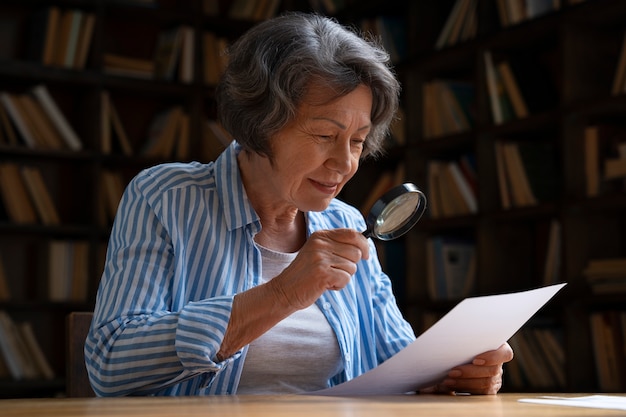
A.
pixel 482 376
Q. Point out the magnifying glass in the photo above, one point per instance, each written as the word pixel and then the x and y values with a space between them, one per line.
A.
pixel 395 212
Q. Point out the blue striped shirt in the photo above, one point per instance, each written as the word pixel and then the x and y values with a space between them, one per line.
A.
pixel 180 248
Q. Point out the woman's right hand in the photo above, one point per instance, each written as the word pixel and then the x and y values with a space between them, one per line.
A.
pixel 327 261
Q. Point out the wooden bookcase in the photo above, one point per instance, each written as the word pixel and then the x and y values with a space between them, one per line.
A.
pixel 564 60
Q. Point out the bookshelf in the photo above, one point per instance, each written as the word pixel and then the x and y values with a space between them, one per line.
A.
pixel 546 136
pixel 131 85
pixel 564 63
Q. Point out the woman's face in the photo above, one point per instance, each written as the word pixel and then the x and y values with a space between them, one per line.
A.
pixel 318 152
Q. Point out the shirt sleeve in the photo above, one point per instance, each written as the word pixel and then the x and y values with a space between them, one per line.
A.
pixel 137 344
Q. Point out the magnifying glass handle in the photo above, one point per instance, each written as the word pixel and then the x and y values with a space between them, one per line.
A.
pixel 367 233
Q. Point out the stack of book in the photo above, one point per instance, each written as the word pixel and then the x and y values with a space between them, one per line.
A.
pixel 606 276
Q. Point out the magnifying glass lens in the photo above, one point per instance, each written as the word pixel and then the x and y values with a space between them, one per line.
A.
pixel 397 213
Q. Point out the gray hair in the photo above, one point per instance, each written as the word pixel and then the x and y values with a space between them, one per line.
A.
pixel 272 65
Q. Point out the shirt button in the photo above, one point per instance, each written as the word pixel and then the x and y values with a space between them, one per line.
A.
pixel 326 306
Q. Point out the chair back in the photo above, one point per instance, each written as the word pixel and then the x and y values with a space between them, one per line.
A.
pixel 77 381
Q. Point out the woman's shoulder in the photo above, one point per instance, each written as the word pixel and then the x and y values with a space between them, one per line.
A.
pixel 172 175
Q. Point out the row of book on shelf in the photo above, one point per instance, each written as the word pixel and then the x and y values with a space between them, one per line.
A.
pixel 173 58
pixel 449 104
pixel 34 119
pixel 451 263
pixel 67 271
pixel 527 172
pixel 606 275
pixel 608 333
pixel 451 267
pixel 61 37
pixel 21 355
pixel 539 360
pixel 452 187
pixel 462 22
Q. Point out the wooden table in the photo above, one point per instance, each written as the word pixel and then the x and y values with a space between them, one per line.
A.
pixel 501 405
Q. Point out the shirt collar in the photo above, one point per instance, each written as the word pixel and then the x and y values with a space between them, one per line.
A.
pixel 238 211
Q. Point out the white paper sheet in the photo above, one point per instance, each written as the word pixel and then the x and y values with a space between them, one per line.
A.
pixel 608 402
pixel 474 326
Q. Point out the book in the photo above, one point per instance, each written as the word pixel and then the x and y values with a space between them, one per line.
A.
pixel 552 265
pixel 186 67
pixel 41 125
pixel 40 196
pixel 592 160
pixel 492 88
pixel 451 267
pixel 34 351
pixel 62 39
pixel 614 168
pixel 13 348
pixel 73 38
pixel 449 34
pixel 128 66
pixel 52 33
pixel 504 186
pixel 167 52
pixel 467 191
pixel 619 79
pixel 162 133
pixel 541 167
pixel 6 127
pixel 14 195
pixel 5 290
pixel 85 37
pixel 118 128
pixel 113 188
pixel 16 116
pixel 609 358
pixel 55 114
pixel 512 90
pixel 519 186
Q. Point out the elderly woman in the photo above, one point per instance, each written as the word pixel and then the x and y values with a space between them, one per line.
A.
pixel 246 275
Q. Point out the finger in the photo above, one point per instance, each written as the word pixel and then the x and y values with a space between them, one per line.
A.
pixel 473 371
pixel 349 237
pixel 495 357
pixel 474 385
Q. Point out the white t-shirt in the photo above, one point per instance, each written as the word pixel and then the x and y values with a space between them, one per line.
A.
pixel 299 354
